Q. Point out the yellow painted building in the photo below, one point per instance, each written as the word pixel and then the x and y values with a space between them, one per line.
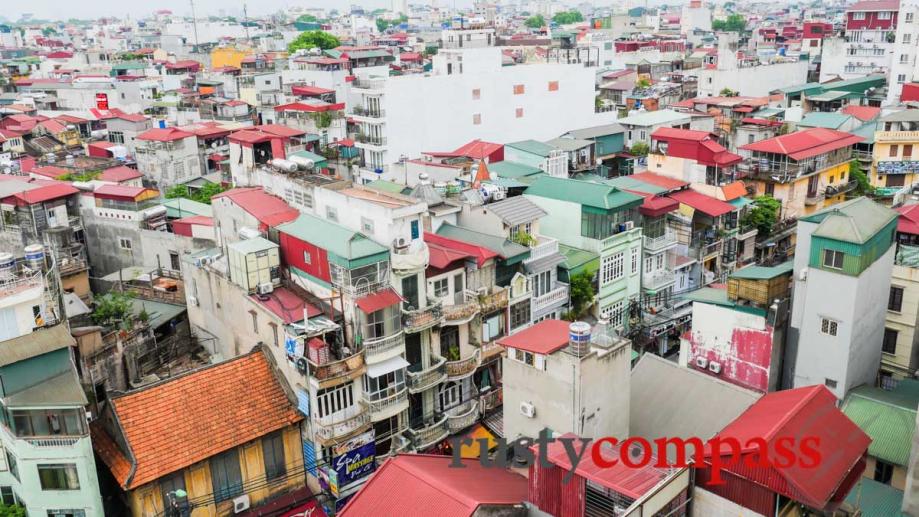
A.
pixel 805 195
pixel 229 56
pixel 895 157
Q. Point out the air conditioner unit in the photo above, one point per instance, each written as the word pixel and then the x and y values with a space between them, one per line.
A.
pixel 701 362
pixel 264 288
pixel 527 410
pixel 400 242
pixel 714 367
pixel 628 225
pixel 240 504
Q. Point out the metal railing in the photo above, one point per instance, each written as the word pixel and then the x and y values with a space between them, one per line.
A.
pixel 897 136
pixel 384 344
pixel 464 367
pixel 53 442
pixel 657 279
pixel 361 111
pixel 21 282
pixel 557 295
pixel 382 404
pixel 493 301
pixel 544 247
pixel 660 242
pixel 812 200
pixel 336 426
pixel 337 369
pixel 463 417
pixel 368 84
pixel 426 436
pixel 465 307
pixel 370 139
pixel 491 401
pixel 700 250
pixel 421 319
pixel 426 378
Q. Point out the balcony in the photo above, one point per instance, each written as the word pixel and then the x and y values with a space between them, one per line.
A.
pixel 489 350
pixel 421 319
pixel 334 427
pixel 657 279
pixel 491 401
pixel 463 367
pixel 360 111
pixel 493 301
pixel 814 200
pixel 835 190
pixel 745 232
pixel 373 348
pixel 373 85
pixel 336 372
pixel 429 435
pixel 374 140
pixel 702 250
pixel 896 136
pixel 556 297
pixel 464 308
pixel 388 406
pixel 43 443
pixel 659 243
pixel 463 416
pixel 429 377
pixel 544 247
pixel 400 445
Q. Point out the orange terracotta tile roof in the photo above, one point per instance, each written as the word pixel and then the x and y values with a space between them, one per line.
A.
pixel 190 418
pixel 110 454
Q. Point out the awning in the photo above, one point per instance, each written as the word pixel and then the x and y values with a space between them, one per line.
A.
pixel 478 432
pixel 379 300
pixel 544 263
pixel 387 366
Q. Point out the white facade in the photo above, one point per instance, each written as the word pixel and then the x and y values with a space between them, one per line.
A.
pixel 753 81
pixel 904 65
pixel 477 98
pixel 695 17
pixel 168 163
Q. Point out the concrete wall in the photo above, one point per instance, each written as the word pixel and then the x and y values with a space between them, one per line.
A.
pixel 755 81
pixel 708 504
pixel 911 483
pixel 904 361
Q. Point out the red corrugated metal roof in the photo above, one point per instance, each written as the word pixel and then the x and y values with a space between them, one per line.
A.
pixel 423 484
pixel 481 254
pixel 309 90
pixel 302 106
pixel 269 210
pixel 281 130
pixel 168 134
pixel 794 415
pixel 442 256
pixel 655 206
pixel 50 171
pixel 45 193
pixel 659 181
pixel 863 113
pixel 285 304
pixel 630 482
pixel 379 300
pixel 119 174
pixel 875 5
pixel 545 337
pixel 201 220
pixel 909 219
pixel 806 143
pixel 705 204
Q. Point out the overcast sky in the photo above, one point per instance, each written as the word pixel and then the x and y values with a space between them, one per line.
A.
pixel 63 9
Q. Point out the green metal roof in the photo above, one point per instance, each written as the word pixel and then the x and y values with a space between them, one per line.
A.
pixel 578 260
pixel 876 499
pixel 857 85
pixel 317 158
pixel 595 195
pixel 888 417
pixel 507 182
pixel 342 244
pixel 506 169
pixel 855 221
pixel 866 131
pixel 510 251
pixel 720 297
pixel 629 183
pixel 824 119
pixel 832 95
pixel 386 186
pixel 532 147
pixel 763 272
pixel 159 312
pixel 179 207
pixel 806 88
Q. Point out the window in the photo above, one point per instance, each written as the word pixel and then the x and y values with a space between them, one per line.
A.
pixel 226 477
pixel 614 313
pixel 908 151
pixel 125 244
pixel 520 314
pixel 858 16
pixel 58 477
pixel 68 512
pixel 907 38
pixel 909 18
pixel 612 268
pixel 476 94
pixel 254 321
pixel 441 288
pixel 116 137
pixel 518 89
pixel 274 333
pixel 332 400
pixel 893 151
pixel 901 78
pixel 828 327
pixel 895 299
pixel 169 485
pixel 553 86
pixel 307 258
pixel 7 496
pixel 49 422
pixel 830 383
pixel 904 58
pixel 833 259
pixel 890 341
pixel 11 463
pixel 542 283
pixel 883 471
pixel 884 15
pixel 366 225
pixel 476 119
pixel 273 450
pixel 331 214
pixel 635 257
pixel 519 113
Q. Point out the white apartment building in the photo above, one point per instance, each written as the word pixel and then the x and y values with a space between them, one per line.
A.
pixel 749 78
pixel 167 156
pixel 868 44
pixel 904 65
pixel 472 37
pixel 468 95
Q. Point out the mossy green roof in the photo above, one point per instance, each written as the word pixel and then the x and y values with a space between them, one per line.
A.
pixel 532 147
pixel 888 417
pixel 179 207
pixel 386 186
pixel 719 297
pixel 855 221
pixel 578 260
pixel 596 195
pixel 629 183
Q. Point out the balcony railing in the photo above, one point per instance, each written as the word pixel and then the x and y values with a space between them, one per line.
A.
pixel 426 436
pixel 462 417
pixel 421 319
pixel 464 367
pixel 558 295
pixel 370 139
pixel 493 301
pixel 431 376
pixel 660 242
pixel 464 308
pixel 22 282
pixel 657 279
pixel 700 250
pixel 383 345
pixel 491 401
pixel 835 190
pixel 544 247
pixel 489 349
pixel 361 111
pixel 329 372
pixel 368 84
pixel 813 200
pixel 896 136
pixel 337 426
pixel 389 402
pixel 69 441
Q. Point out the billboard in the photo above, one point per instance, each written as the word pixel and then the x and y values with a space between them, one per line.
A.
pixel 352 461
pixel 102 101
pixel 903 167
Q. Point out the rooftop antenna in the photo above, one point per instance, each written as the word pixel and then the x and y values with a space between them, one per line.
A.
pixel 194 22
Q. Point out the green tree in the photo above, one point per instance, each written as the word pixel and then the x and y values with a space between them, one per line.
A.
pixel 307 18
pixel 201 195
pixel 763 215
pixel 535 22
pixel 313 39
pixel 642 83
pixel 582 293
pixel 113 309
pixel 382 24
pixel 176 191
pixel 12 510
pixel 733 23
pixel 566 17
pixel 863 186
pixel 639 149
pixel 727 92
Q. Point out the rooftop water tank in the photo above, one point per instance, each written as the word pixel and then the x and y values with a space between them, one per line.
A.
pixel 578 338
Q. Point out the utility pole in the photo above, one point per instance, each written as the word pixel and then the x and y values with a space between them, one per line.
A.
pixel 246 22
pixel 194 22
